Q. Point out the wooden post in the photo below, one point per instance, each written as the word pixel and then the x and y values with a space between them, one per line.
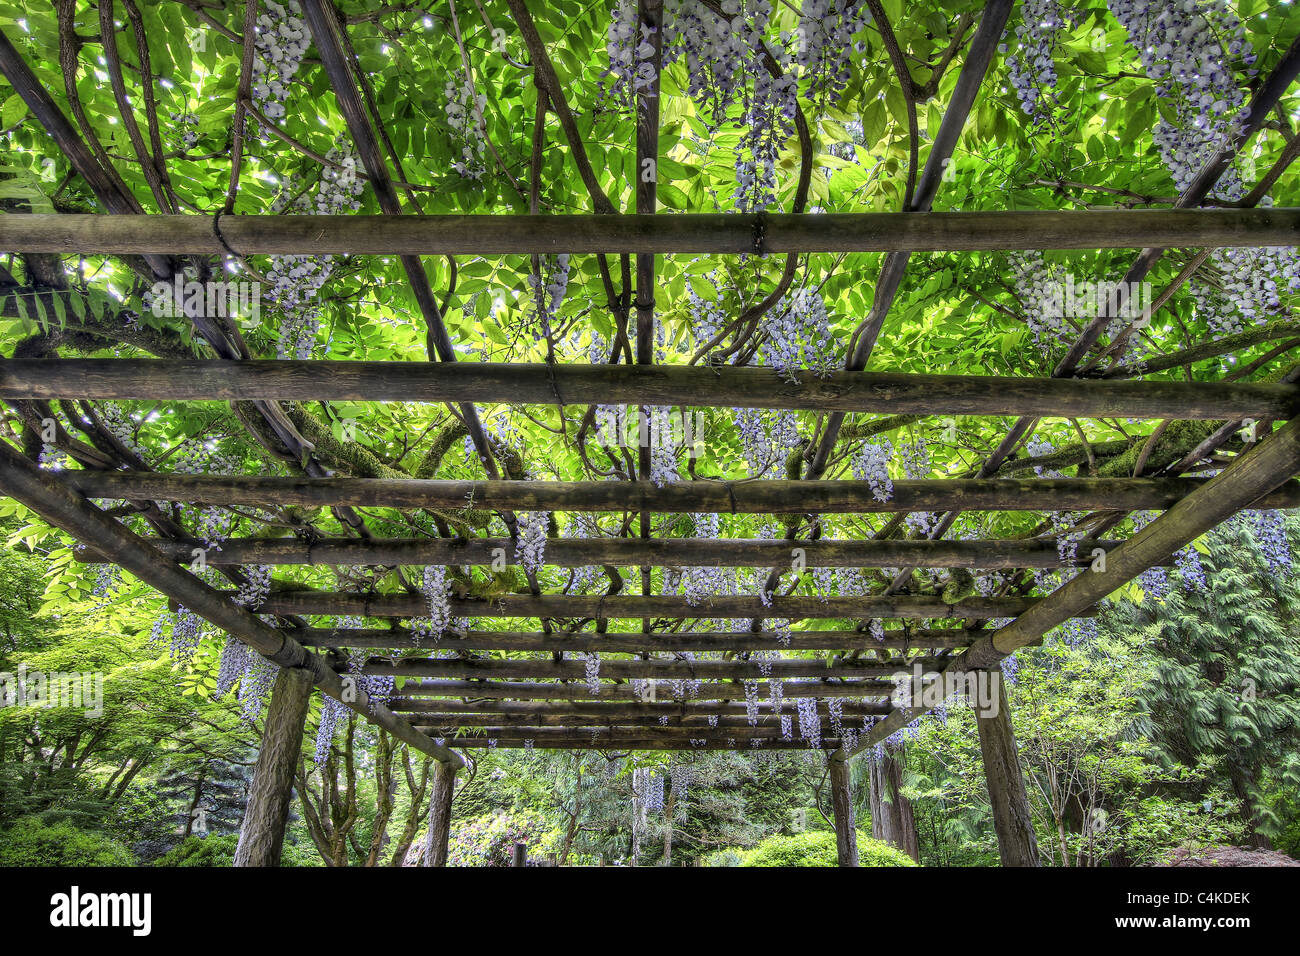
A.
pixel 846 834
pixel 435 841
pixel 891 812
pixel 520 857
pixel 1017 844
pixel 261 836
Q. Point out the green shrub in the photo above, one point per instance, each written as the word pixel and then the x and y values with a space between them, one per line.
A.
pixel 490 840
pixel 875 853
pixel 817 848
pixel 731 856
pixel 30 842
pixel 219 851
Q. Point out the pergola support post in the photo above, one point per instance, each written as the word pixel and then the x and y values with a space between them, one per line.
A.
pixel 1017 844
pixel 891 812
pixel 439 834
pixel 846 834
pixel 261 837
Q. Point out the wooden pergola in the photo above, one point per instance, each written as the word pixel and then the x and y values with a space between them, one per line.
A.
pixel 472 700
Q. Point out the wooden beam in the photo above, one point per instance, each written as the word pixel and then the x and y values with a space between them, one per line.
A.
pixel 589 732
pixel 637 743
pixel 892 393
pixel 46 494
pixel 692 233
pixel 603 607
pixel 261 834
pixel 622 669
pixel 440 724
pixel 630 552
pixel 683 497
pixel 633 642
pixel 709 691
pixel 683 713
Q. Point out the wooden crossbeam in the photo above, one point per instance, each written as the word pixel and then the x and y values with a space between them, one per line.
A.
pixel 634 743
pixel 658 669
pixel 708 233
pixel 629 552
pixel 47 495
pixel 600 732
pixel 632 642
pixel 791 607
pixel 444 724
pixel 684 497
pixel 520 691
pixel 682 714
pixel 873 392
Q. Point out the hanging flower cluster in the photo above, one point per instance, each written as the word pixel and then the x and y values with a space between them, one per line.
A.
pixel 530 549
pixel 1186 48
pixel 1038 288
pixel 295 280
pixel 824 43
pixel 436 589
pixel 330 712
pixel 280 44
pixel 871 464
pixel 463 107
pixel 798 336
pixel 256 587
pixel 810 722
pixel 255 686
pixel 548 291
pixel 1247 288
pixel 1030 65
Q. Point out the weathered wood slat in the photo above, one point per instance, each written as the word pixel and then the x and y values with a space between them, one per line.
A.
pixel 524 691
pixel 717 233
pixel 632 641
pixel 631 552
pixel 589 732
pixel 718 497
pixel 792 607
pixel 504 711
pixel 637 743
pixel 506 669
pixel 447 723
pixel 874 392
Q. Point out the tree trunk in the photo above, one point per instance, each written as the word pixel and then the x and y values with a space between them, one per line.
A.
pixel 1017 844
pixel 670 809
pixel 262 835
pixel 846 834
pixel 194 803
pixel 1243 785
pixel 435 841
pixel 891 812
